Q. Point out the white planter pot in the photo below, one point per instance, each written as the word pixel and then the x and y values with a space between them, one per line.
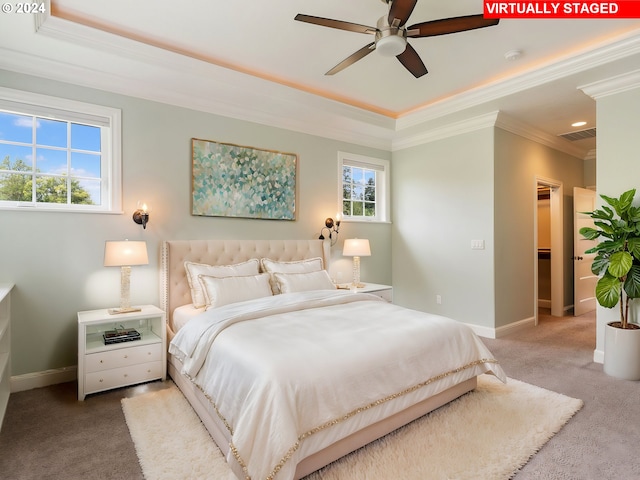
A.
pixel 622 353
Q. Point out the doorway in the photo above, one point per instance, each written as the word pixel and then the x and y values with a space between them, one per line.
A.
pixel 549 258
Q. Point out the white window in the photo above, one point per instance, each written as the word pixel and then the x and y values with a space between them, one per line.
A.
pixel 364 187
pixel 58 154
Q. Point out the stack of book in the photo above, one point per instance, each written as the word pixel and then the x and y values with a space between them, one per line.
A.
pixel 120 335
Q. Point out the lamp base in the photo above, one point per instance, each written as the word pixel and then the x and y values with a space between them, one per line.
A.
pixel 115 311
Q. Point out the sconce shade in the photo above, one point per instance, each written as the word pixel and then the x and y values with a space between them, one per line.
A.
pixel 125 253
pixel 356 247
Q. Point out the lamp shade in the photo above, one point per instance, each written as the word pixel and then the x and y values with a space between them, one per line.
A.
pixel 356 247
pixel 125 253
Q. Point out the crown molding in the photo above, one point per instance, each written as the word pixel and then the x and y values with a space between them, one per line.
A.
pixel 493 119
pixel 445 131
pixel 621 48
pixel 522 129
pixel 613 85
pixel 221 91
pixel 226 92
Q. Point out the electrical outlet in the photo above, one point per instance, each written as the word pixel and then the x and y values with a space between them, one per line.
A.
pixel 439 299
pixel 477 244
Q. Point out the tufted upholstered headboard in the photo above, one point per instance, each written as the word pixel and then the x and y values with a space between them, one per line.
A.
pixel 174 288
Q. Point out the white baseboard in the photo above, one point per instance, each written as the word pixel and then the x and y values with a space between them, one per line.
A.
pixel 542 303
pixel 499 332
pixel 523 324
pixel 486 332
pixel 28 381
pixel 598 356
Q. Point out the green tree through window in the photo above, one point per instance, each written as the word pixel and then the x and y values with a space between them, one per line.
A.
pixel 18 187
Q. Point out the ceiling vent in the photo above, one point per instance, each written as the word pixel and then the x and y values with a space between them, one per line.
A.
pixel 579 135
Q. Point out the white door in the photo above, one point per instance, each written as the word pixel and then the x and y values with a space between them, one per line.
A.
pixel 584 282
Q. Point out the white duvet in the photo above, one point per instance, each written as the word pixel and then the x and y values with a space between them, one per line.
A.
pixel 293 373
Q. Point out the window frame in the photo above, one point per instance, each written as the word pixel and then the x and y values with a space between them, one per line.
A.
pixel 107 118
pixel 383 186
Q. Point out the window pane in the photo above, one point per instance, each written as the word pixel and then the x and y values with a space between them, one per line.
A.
pixel 370 193
pixel 358 175
pixel 51 161
pixel 370 177
pixel 85 137
pixel 17 128
pixel 51 189
pixel 358 209
pixel 346 190
pixel 52 133
pixel 15 187
pixel 85 192
pixel 369 209
pixel 358 192
pixel 346 175
pixel 13 157
pixel 85 165
pixel 346 208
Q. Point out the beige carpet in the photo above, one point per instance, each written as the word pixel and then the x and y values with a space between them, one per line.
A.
pixel 487 434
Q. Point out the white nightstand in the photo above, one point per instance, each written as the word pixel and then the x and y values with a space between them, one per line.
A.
pixel 383 291
pixel 103 367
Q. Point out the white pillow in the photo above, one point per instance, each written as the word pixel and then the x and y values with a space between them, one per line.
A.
pixel 223 291
pixel 302 282
pixel 300 266
pixel 194 270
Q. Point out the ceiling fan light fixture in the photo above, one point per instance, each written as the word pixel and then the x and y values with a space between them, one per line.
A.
pixel 391 46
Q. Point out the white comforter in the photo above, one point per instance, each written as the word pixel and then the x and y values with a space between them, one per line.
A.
pixel 292 373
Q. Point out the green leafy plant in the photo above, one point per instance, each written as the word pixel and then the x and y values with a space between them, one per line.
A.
pixel 617 259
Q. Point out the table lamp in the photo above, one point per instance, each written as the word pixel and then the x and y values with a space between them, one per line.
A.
pixel 356 248
pixel 124 254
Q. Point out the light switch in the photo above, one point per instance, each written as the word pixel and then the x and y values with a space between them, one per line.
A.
pixel 477 244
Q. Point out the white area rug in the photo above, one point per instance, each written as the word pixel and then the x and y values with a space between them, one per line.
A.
pixel 487 434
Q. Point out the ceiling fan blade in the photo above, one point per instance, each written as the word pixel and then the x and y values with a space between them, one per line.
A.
pixel 401 9
pixel 412 62
pixel 450 25
pixel 339 24
pixel 353 58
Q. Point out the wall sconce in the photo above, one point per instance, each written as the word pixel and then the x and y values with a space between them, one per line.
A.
pixel 141 215
pixel 332 227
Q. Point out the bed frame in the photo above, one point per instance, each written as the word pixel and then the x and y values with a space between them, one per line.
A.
pixel 174 292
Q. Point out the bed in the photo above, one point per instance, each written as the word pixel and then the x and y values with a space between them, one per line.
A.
pixel 263 371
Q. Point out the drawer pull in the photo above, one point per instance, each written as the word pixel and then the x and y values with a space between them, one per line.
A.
pixel 101 361
pixel 126 375
pixel 126 356
pixel 100 380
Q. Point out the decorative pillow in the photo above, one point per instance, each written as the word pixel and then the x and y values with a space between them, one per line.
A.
pixel 300 266
pixel 302 282
pixel 223 291
pixel 194 270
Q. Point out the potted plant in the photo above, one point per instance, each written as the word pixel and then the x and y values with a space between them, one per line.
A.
pixel 617 263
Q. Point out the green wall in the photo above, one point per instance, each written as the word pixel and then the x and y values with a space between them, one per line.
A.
pixel 517 163
pixel 474 186
pixel 618 165
pixel 55 259
pixel 443 199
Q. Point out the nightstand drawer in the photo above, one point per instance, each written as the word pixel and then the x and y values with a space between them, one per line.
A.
pixel 120 377
pixel 384 294
pixel 123 357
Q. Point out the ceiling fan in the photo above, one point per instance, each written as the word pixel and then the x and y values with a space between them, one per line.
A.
pixel 391 34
